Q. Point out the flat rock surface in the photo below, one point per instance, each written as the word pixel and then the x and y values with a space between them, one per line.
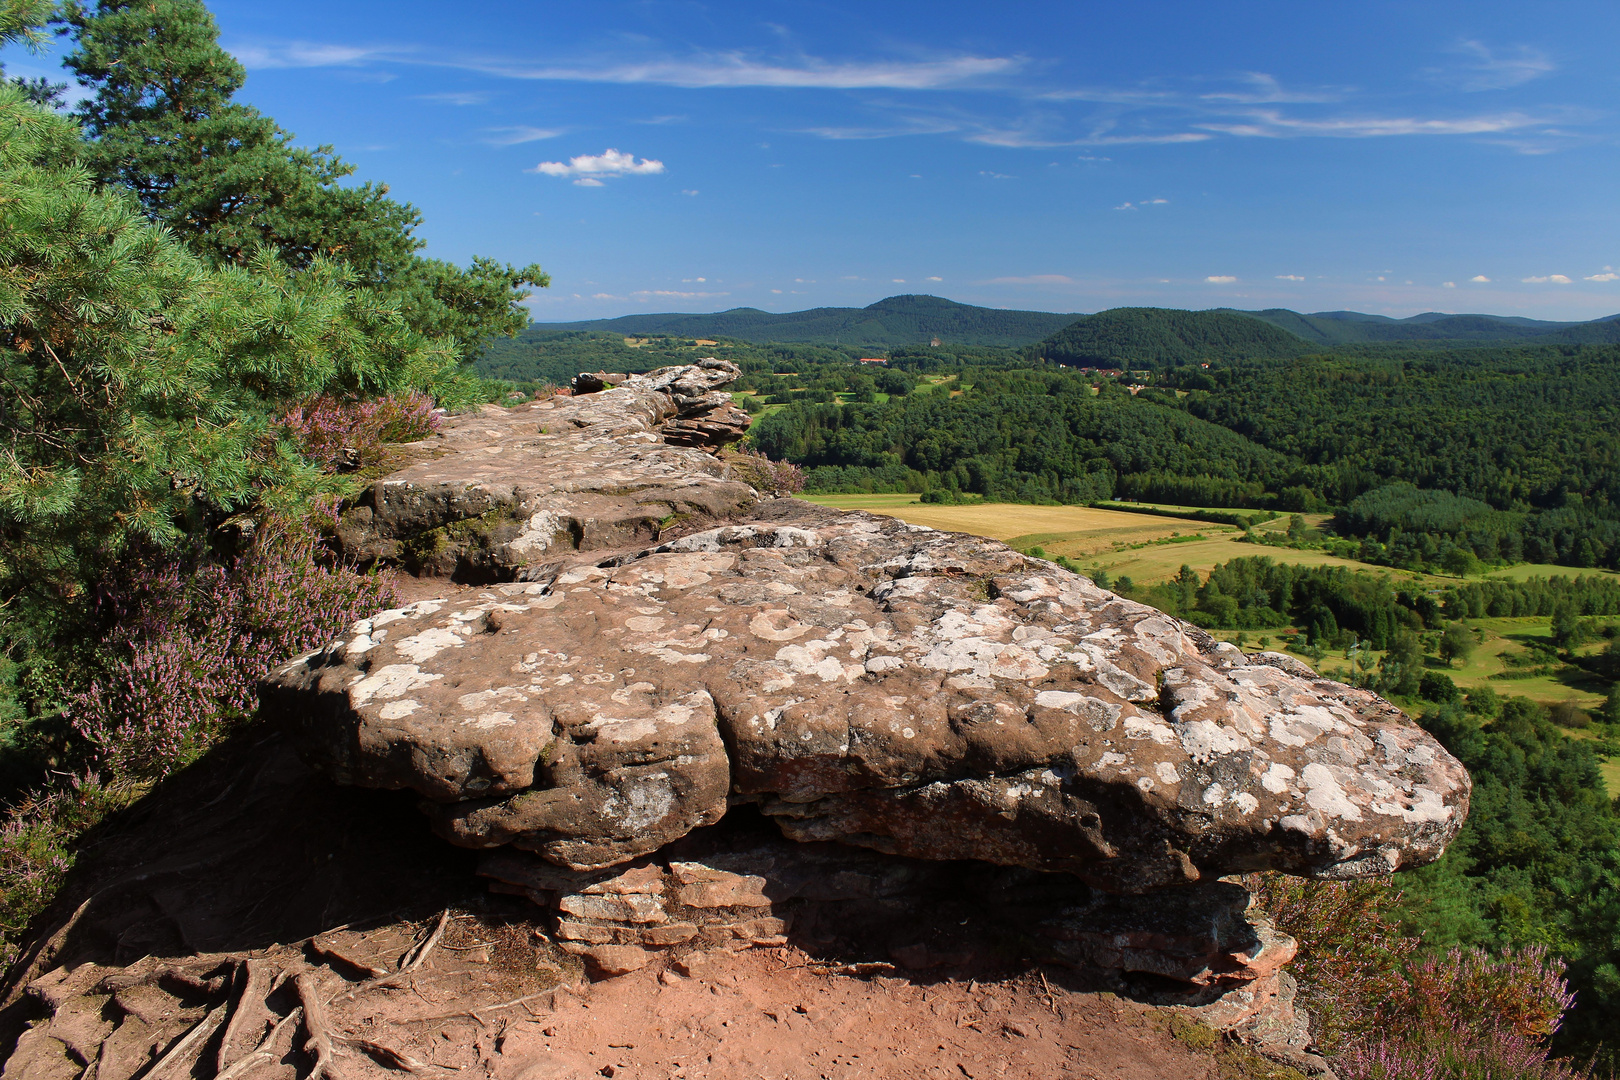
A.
pixel 863 680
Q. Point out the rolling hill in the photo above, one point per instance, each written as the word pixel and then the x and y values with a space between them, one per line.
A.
pixel 1125 336
pixel 898 320
pixel 1356 328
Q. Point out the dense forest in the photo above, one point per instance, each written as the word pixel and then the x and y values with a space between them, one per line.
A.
pixel 1433 458
pixel 1155 337
pixel 1435 328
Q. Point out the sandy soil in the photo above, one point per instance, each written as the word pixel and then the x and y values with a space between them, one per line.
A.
pixel 773 1015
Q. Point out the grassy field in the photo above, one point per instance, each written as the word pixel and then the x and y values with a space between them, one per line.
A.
pixel 1145 547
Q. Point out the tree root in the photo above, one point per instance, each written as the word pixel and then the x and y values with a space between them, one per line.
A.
pixel 318 1034
pixel 264 1052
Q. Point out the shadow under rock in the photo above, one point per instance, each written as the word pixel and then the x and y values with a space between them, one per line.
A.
pixel 244 849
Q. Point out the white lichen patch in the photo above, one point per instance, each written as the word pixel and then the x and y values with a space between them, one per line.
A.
pixel 391 681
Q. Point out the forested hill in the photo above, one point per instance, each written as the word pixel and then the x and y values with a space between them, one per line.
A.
pixel 1354 327
pixel 898 320
pixel 1164 336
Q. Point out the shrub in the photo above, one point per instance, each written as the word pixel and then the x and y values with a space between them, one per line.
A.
pixel 764 475
pixel 1387 1011
pixel 188 649
pixel 350 434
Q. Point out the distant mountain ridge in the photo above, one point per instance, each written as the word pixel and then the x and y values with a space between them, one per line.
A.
pixel 897 320
pixel 1134 332
pixel 1356 328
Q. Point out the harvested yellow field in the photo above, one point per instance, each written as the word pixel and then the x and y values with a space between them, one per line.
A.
pixel 1059 529
pixel 1144 547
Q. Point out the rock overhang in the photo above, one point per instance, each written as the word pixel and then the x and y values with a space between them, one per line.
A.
pixel 864 680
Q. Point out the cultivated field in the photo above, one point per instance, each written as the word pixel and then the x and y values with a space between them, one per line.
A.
pixel 1145 547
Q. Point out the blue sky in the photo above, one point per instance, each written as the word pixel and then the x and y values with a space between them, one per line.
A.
pixel 1392 157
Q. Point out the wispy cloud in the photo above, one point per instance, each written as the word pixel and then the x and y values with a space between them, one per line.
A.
pixel 514 136
pixel 1034 279
pixel 1607 275
pixel 740 69
pixel 647 294
pixel 1483 68
pixel 1128 205
pixel 1555 279
pixel 462 98
pixel 1263 89
pixel 1480 279
pixel 1290 277
pixel 1220 279
pixel 588 168
pixel 261 55
pixel 1271 123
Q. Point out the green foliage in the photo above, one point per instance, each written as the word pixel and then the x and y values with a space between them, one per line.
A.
pixel 1457 643
pixel 1353 327
pixel 229 182
pixel 1510 453
pixel 1013 435
pixel 1161 337
pixel 139 382
pixel 1538 862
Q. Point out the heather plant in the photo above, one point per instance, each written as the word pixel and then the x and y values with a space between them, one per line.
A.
pixel 339 433
pixel 189 648
pixel 1386 1009
pixel 765 475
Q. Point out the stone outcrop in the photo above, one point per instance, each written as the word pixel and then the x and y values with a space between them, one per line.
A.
pixel 503 490
pixel 921 693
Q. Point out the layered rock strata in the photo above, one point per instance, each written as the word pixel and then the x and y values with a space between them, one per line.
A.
pixel 503 490
pixel 921 693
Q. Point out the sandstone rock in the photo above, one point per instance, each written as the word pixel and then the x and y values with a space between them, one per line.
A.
pixel 859 679
pixel 495 494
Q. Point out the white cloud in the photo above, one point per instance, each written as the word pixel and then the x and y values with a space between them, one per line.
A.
pixel 1272 124
pixel 608 163
pixel 1607 275
pixel 463 98
pixel 514 136
pixel 1220 279
pixel 689 191
pixel 1289 277
pixel 646 293
pixel 996 175
pixel 308 54
pixel 899 280
pixel 1480 279
pixel 1125 206
pixel 1449 284
pixel 1033 279
pixel 1488 69
pixel 1265 90
pixel 1556 279
pixel 936 279
pixel 735 69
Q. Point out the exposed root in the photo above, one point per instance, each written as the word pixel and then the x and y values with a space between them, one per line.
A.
pixel 192 1041
pixel 264 1052
pixel 318 1040
pixel 412 960
pixel 326 950
pixel 250 1009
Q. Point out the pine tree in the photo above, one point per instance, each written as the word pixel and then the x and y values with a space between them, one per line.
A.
pixel 229 181
pixel 138 383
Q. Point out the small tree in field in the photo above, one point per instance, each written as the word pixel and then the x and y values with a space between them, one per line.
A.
pixel 1457 643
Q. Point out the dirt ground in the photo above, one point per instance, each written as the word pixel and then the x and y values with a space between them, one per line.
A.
pixel 774 1015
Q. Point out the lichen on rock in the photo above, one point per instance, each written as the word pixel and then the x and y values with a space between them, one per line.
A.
pixel 921 693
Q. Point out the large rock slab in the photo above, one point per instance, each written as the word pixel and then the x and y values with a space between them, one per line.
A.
pixel 503 490
pixel 862 680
